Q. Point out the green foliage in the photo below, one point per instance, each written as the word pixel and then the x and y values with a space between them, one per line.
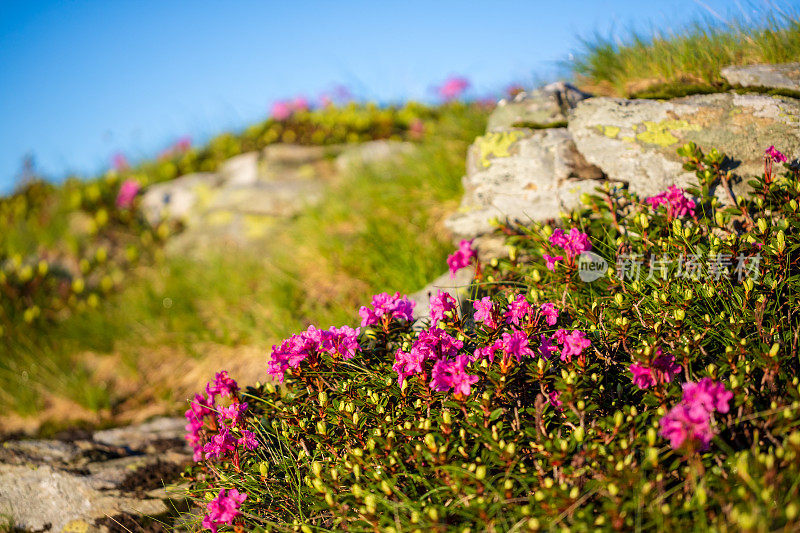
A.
pixel 344 447
pixel 695 55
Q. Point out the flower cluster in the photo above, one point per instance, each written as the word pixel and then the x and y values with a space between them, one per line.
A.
pixel 386 308
pixel 215 431
pixel 453 87
pixel 461 258
pixel 431 346
pixel 283 109
pixel 662 369
pixel 337 342
pixel 223 509
pixel 441 304
pixel 678 204
pixel 127 194
pixel 775 155
pixel 690 420
pixel 573 243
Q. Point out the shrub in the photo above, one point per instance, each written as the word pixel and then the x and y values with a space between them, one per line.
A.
pixel 665 401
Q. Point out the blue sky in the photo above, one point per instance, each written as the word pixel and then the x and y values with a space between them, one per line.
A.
pixel 80 81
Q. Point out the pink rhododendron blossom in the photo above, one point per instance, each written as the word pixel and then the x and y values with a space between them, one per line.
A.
pixel 690 420
pixel 232 414
pixel 341 341
pixel 546 348
pixel 662 370
pixel 461 258
pixel 200 406
pixel 488 352
pixel 683 423
pixel 119 161
pixel 707 394
pixel 573 243
pixel 552 397
pixel 248 440
pixel 551 260
pixel 678 204
pixel 516 345
pixel 453 87
pixel 571 343
pixel 775 154
pixel 484 312
pixel 281 110
pixel 220 444
pixel 394 307
pixel 440 304
pixel 451 374
pixel 432 344
pixel 183 144
pixel 300 103
pixel 517 311
pixel 223 509
pixel 550 313
pixel 127 194
pixel 223 385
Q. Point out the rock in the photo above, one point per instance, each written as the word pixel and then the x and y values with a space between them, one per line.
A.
pixel 455 286
pixel 278 199
pixel 635 141
pixel 546 106
pixel 241 169
pixel 371 152
pixel 781 76
pixel 179 198
pixel 295 154
pixel 91 484
pixel 520 174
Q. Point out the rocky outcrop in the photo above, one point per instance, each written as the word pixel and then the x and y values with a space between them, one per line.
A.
pixel 521 174
pixel 241 202
pixel 635 141
pixel 541 108
pixel 98 482
pixel 782 76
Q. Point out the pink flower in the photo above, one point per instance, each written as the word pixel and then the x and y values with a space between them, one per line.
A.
pixel 183 144
pixel 223 385
pixel 300 103
pixel 232 415
pixel 223 509
pixel 127 194
pixel 678 204
pixel 488 352
pixel 441 303
pixel 552 397
pixel 682 424
pixel 551 260
pixel 451 374
pixel 517 310
pixel 484 312
pixel 571 343
pixel 663 369
pixel 281 110
pixel 200 406
pixel 707 394
pixel 461 258
pixel 574 243
pixel 546 348
pixel 774 154
pixel 432 344
pixel 395 307
pixel 550 313
pixel 220 444
pixel 119 161
pixel 516 345
pixel 248 440
pixel 690 420
pixel 342 342
pixel 453 87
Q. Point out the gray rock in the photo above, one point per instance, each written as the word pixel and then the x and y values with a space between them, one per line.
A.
pixel 180 198
pixel 278 198
pixel 545 106
pixel 522 175
pixel 780 76
pixel 242 169
pixel 635 141
pixel 86 485
pixel 371 152
pixel 295 154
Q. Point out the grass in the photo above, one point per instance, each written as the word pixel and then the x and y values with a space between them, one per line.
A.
pixel 179 319
pixel 695 55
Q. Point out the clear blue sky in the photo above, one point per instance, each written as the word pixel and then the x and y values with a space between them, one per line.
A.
pixel 80 81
